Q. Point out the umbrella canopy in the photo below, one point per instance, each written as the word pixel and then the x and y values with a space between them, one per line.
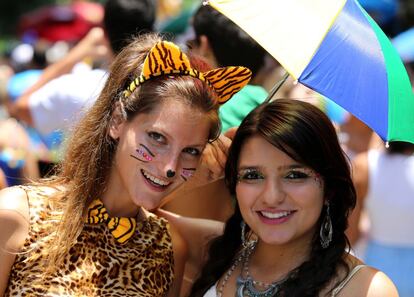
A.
pixel 335 48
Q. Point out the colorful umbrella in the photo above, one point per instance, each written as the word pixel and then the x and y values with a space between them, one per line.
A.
pixel 335 48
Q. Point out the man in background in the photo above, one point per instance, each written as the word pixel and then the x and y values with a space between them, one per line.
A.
pixel 60 95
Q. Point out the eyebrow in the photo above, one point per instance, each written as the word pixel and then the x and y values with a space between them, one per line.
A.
pixel 197 146
pixel 162 132
pixel 280 168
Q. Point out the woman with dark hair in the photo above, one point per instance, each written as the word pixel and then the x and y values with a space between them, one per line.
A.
pixel 294 193
pixel 89 231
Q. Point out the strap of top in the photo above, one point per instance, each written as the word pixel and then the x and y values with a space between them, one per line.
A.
pixel 346 280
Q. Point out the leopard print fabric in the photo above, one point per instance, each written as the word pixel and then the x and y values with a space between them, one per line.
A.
pixel 96 265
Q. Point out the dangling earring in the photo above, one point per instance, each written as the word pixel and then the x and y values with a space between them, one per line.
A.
pixel 244 238
pixel 326 229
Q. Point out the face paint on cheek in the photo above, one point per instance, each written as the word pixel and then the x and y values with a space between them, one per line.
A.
pixel 318 179
pixel 144 154
pixel 187 173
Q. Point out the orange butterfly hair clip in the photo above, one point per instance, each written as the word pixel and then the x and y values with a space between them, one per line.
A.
pixel 166 58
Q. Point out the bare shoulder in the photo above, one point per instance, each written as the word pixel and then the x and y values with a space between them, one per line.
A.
pixel 14 218
pixel 380 285
pixel 14 199
pixel 369 282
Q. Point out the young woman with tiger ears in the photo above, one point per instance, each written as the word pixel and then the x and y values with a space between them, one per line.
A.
pixel 89 231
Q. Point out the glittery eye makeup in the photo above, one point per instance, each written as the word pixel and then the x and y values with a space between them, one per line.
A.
pixel 186 173
pixel 144 154
pixel 301 174
pixel 294 175
pixel 249 174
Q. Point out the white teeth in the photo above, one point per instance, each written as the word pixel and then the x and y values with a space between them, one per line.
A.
pixel 272 215
pixel 154 179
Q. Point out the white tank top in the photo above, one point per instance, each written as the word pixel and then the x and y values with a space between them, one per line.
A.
pixel 212 292
pixel 390 198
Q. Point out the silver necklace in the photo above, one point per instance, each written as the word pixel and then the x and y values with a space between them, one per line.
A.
pixel 242 255
pixel 246 285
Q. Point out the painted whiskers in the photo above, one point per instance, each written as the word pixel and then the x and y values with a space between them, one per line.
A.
pixel 145 155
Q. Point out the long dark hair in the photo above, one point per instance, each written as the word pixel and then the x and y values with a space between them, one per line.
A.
pixel 307 135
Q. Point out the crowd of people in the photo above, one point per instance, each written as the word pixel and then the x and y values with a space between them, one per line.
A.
pixel 147 164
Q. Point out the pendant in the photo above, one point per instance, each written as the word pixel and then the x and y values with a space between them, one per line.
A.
pixel 240 284
pixel 245 287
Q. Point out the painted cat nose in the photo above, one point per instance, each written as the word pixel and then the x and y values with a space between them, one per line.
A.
pixel 170 173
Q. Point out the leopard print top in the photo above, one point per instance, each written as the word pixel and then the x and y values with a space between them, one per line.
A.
pixel 96 265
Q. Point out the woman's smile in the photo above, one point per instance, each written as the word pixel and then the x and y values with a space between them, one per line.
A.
pixel 154 182
pixel 275 217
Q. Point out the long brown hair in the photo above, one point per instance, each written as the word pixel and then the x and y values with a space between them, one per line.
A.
pixel 84 172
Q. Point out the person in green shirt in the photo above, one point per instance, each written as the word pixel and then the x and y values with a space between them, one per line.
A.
pixel 223 43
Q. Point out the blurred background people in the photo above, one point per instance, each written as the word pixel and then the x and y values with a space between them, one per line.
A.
pixel 55 104
pixel 3 182
pixel 384 180
pixel 223 43
pixel 57 97
pixel 18 151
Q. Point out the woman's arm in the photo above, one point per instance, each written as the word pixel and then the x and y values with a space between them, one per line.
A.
pixel 14 222
pixel 180 249
pixel 196 234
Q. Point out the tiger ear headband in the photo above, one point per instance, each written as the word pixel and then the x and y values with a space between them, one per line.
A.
pixel 165 58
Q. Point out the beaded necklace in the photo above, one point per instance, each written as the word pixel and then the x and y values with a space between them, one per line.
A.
pixel 246 285
pixel 243 254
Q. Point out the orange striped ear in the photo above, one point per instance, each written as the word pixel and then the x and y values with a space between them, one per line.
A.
pixel 165 58
pixel 227 81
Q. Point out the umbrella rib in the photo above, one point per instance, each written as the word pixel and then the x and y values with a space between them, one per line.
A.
pixel 276 87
